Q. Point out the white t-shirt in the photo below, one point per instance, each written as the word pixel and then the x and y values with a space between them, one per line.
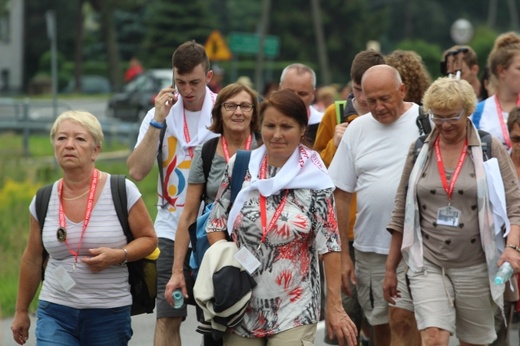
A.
pixel 315 115
pixel 369 161
pixel 489 120
pixel 177 160
pixel 106 289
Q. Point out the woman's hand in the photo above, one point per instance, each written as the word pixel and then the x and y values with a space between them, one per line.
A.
pixel 103 257
pixel 339 324
pixel 390 291
pixel 20 327
pixel 512 256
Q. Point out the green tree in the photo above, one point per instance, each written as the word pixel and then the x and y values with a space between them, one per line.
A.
pixel 169 24
pixel 482 43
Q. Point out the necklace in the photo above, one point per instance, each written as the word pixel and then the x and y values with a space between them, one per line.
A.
pixel 77 197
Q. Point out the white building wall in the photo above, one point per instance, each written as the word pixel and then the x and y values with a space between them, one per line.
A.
pixel 11 47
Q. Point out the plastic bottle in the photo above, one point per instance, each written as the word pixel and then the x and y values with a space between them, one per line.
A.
pixel 178 299
pixel 504 273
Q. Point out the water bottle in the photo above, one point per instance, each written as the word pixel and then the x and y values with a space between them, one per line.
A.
pixel 178 299
pixel 504 273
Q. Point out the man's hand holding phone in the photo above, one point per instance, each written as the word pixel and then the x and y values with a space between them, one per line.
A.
pixel 164 101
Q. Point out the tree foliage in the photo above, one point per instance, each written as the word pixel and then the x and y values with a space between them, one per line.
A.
pixel 151 30
pixel 169 24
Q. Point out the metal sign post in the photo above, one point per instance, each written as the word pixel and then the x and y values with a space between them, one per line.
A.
pixel 52 34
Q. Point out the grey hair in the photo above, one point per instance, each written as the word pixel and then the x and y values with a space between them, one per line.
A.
pixel 300 69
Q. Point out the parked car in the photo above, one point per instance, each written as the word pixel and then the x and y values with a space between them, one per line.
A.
pixel 90 84
pixel 138 95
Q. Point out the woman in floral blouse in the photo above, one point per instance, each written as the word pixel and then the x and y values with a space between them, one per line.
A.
pixel 284 217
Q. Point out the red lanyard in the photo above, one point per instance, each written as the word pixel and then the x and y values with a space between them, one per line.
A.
pixel 88 213
pixel 187 136
pixel 442 173
pixel 226 149
pixel 502 122
pixel 263 211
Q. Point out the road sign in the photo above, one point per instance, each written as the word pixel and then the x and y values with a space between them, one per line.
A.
pixel 216 47
pixel 247 43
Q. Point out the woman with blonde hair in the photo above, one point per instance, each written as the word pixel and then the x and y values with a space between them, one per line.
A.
pixel 85 298
pixel 283 219
pixel 443 226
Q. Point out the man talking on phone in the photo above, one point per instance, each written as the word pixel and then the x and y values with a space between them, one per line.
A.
pixel 169 134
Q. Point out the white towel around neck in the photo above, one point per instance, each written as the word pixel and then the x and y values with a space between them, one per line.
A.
pixel 176 123
pixel 303 170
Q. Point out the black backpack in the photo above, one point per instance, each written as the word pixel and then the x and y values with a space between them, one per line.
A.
pixel 142 274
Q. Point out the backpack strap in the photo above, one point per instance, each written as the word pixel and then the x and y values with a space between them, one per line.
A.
pixel 209 148
pixel 485 142
pixel 423 122
pixel 43 196
pixel 118 189
pixel 419 142
pixel 477 115
pixel 239 172
pixel 160 163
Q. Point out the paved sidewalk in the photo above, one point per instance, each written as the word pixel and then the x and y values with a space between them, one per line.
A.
pixel 143 326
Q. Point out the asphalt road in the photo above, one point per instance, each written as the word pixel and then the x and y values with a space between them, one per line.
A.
pixel 143 327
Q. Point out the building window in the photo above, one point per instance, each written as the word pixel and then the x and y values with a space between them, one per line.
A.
pixel 5 25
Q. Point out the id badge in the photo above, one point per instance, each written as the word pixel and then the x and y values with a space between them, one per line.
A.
pixel 247 260
pixel 448 216
pixel 63 278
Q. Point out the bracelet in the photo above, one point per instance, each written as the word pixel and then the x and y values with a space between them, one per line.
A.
pixel 514 247
pixel 156 124
pixel 126 257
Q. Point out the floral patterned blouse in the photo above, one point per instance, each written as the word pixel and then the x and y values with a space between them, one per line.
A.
pixel 287 294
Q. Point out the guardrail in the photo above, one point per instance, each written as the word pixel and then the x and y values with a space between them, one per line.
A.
pixel 27 116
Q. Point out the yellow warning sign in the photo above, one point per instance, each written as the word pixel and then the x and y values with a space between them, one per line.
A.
pixel 216 47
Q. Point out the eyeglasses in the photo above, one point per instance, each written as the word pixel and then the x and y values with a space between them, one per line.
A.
pixel 440 120
pixel 245 107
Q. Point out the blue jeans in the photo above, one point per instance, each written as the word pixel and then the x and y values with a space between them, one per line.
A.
pixel 61 325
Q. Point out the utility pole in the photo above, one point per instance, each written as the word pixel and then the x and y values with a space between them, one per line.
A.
pixel 492 13
pixel 264 25
pixel 513 12
pixel 52 33
pixel 320 42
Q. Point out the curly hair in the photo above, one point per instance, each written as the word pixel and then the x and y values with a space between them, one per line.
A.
pixel 413 73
